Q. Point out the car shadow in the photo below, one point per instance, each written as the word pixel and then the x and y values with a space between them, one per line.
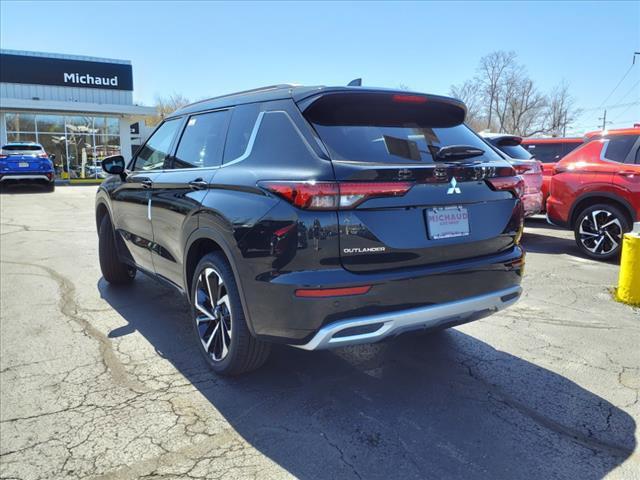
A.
pixel 445 405
pixel 21 189
pixel 537 239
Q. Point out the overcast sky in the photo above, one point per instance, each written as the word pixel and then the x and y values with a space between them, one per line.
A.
pixel 205 49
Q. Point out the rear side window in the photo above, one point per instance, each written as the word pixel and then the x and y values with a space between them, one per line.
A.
pixel 546 152
pixel 243 120
pixel 569 147
pixel 372 128
pixel 618 147
pixel 156 150
pixel 516 151
pixel 202 140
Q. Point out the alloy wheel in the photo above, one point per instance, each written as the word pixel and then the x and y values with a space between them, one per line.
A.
pixel 213 314
pixel 600 232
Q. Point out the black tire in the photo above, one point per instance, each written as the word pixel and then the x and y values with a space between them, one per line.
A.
pixel 51 187
pixel 601 240
pixel 113 270
pixel 244 353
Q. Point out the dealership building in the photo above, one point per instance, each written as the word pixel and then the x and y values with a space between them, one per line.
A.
pixel 79 108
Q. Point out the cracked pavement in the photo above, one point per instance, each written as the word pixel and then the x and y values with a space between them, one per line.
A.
pixel 105 383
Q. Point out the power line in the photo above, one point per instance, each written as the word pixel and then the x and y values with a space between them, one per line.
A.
pixel 630 90
pixel 618 84
pixel 622 113
pixel 611 107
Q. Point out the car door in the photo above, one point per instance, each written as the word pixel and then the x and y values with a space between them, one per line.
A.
pixel 179 190
pixel 627 175
pixel 130 199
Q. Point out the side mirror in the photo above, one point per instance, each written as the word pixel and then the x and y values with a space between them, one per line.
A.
pixel 52 157
pixel 113 165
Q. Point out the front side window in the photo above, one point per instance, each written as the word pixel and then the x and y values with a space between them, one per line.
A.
pixel 202 141
pixel 618 147
pixel 156 150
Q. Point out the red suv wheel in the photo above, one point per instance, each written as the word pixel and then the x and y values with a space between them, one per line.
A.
pixel 598 231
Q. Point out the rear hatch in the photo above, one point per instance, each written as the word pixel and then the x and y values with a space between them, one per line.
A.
pixel 23 157
pixel 403 204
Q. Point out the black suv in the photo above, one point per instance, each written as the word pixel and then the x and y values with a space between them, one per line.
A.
pixel 316 217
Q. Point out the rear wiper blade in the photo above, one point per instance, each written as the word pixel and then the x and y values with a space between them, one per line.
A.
pixel 458 152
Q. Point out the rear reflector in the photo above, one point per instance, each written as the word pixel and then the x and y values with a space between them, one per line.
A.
pixel 332 292
pixel 514 184
pixel 334 195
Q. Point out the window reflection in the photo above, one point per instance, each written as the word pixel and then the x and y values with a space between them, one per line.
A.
pixel 79 142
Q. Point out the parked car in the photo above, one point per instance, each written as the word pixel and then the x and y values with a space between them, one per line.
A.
pixel 26 162
pixel 316 217
pixel 595 191
pixel 549 151
pixel 524 165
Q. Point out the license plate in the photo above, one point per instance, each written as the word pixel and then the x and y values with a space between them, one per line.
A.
pixel 23 164
pixel 447 222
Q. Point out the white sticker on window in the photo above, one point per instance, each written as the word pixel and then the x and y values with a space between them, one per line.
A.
pixel 192 122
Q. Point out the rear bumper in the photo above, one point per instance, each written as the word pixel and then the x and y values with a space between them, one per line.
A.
pixel 532 203
pixel 557 213
pixel 277 314
pixel 373 328
pixel 39 176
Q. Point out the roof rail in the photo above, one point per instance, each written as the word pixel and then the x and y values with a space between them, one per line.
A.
pixel 252 90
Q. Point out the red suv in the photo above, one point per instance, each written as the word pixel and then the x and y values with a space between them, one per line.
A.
pixel 549 151
pixel 595 191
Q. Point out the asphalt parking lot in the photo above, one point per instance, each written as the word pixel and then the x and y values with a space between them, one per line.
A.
pixel 102 382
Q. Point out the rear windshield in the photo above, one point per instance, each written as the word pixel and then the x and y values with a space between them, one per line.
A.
pixel 378 128
pixel 516 151
pixel 396 144
pixel 22 148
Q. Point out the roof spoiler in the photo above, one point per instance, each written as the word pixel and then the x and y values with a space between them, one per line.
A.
pixel 350 106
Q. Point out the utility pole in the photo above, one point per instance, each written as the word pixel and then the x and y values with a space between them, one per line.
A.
pixel 604 120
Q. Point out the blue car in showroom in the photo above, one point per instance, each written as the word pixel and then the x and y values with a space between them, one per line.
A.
pixel 26 162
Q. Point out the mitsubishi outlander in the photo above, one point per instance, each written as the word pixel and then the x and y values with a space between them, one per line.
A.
pixel 316 217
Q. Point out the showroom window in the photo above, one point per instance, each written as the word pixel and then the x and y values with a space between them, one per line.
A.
pixel 78 142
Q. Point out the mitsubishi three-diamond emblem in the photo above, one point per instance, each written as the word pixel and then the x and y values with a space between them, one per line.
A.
pixel 454 187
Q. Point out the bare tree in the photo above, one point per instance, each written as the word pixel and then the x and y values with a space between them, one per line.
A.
pixel 491 73
pixel 524 106
pixel 561 111
pixel 166 105
pixel 469 93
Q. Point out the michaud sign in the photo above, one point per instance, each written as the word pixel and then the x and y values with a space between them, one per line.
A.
pixel 65 72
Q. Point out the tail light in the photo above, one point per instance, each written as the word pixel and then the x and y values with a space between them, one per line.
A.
pixel 3 156
pixel 43 155
pixel 334 195
pixel 524 169
pixel 514 184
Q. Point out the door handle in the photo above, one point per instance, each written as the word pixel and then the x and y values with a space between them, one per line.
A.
pixel 146 183
pixel 626 173
pixel 198 184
